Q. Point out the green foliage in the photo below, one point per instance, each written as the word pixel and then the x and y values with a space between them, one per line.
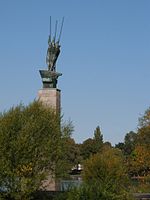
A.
pixel 92 146
pixel 144 137
pixel 106 169
pixel 98 139
pixel 129 143
pixel 95 191
pixel 136 148
pixel 139 161
pixel 144 121
pixel 97 135
pixel 141 185
pixel 120 146
pixel 87 148
pixel 104 177
pixel 67 129
pixel 139 157
pixel 70 154
pixel 29 148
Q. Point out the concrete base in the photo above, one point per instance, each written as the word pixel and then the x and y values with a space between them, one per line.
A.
pixel 49 184
pixel 50 97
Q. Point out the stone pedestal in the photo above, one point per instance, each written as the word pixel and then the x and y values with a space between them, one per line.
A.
pixel 50 97
pixel 49 78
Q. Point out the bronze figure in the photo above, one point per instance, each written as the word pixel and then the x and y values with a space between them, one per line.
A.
pixel 53 49
pixel 50 76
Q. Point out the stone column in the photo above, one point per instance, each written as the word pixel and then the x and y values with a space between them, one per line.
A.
pixel 50 97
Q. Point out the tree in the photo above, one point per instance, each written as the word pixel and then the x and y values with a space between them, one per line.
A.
pixel 120 146
pixel 70 154
pixel 107 171
pixel 87 148
pixel 92 146
pixel 94 191
pixel 98 139
pixel 104 177
pixel 139 162
pixel 143 136
pixel 137 147
pixel 70 157
pixel 144 121
pixel 107 144
pixel 29 148
pixel 129 143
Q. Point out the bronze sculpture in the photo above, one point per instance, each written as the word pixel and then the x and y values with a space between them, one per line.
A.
pixel 50 76
pixel 52 55
pixel 53 48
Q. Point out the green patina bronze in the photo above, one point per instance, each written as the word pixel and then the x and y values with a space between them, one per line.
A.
pixel 50 76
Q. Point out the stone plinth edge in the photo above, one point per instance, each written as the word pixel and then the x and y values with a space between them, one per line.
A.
pixel 50 97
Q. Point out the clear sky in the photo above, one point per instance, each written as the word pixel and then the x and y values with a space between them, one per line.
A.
pixel 105 60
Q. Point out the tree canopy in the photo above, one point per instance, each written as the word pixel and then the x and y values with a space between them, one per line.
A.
pixel 93 145
pixel 104 177
pixel 29 148
pixel 107 170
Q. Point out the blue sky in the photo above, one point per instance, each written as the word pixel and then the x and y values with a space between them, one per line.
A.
pixel 105 60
